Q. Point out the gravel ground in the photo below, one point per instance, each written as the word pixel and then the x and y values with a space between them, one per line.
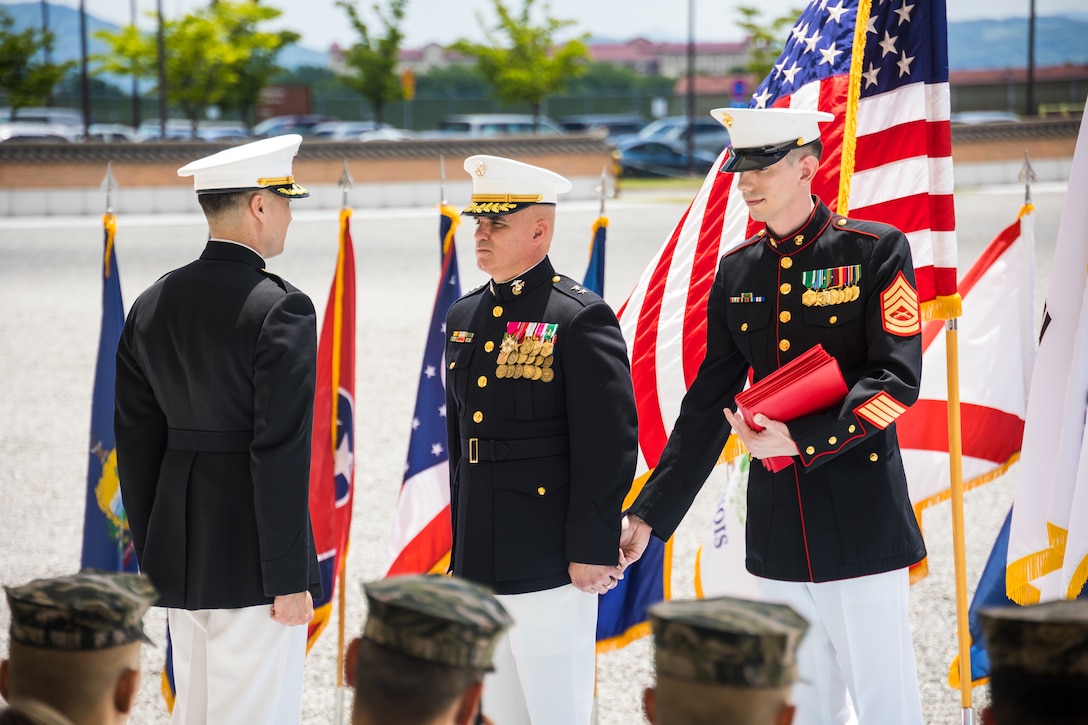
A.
pixel 51 293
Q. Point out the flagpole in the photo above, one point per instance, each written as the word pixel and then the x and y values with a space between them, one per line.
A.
pixel 345 187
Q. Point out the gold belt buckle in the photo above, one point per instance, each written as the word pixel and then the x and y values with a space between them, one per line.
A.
pixel 473 450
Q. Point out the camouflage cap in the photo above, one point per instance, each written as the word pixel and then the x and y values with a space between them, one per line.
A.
pixel 435 618
pixel 1044 639
pixel 90 610
pixel 727 641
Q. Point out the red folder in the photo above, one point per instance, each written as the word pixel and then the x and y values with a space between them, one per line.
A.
pixel 809 383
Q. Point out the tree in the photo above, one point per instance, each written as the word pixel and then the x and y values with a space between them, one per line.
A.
pixel 25 79
pixel 453 81
pixel 239 21
pixel 374 59
pixel 526 66
pixel 610 78
pixel 765 41
pixel 213 56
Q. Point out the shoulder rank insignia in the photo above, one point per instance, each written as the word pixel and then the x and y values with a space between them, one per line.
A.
pixel 747 297
pixel 899 304
pixel 461 336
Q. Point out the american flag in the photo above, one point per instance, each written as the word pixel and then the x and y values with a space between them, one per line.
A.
pixel 884 75
pixel 422 537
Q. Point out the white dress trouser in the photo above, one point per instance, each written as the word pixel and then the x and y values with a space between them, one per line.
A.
pixel 235 666
pixel 544 664
pixel 858 655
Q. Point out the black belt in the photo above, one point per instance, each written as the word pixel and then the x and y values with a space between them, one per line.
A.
pixel 209 441
pixel 477 450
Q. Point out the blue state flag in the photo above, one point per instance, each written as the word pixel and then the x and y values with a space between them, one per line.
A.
pixel 594 280
pixel 107 542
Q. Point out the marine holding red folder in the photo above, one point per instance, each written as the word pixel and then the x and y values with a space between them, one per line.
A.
pixel 830 529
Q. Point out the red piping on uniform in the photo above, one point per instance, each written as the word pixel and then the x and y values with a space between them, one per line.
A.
pixel 804 534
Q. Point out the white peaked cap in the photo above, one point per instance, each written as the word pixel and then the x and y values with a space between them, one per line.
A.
pixel 763 136
pixel 264 164
pixel 501 186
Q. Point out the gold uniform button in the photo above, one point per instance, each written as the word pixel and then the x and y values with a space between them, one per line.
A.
pixel 477 417
pixel 874 457
pixel 542 490
pixel 744 327
pixel 833 319
pixel 784 345
pixel 452 364
pixel 497 312
pixel 832 440
pixel 787 263
pixel 785 288
pixel 810 450
pixel 852 428
pixel 481 381
pixel 842 223
pixel 785 316
pixel 555 278
pixel 489 346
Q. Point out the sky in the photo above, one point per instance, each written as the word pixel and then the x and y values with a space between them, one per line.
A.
pixel 321 23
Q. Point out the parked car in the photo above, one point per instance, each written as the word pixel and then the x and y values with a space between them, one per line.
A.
pixel 613 124
pixel 710 136
pixel 35 132
pixel 300 124
pixel 496 124
pixel 68 117
pixel 636 157
pixel 111 132
pixel 180 129
pixel 979 118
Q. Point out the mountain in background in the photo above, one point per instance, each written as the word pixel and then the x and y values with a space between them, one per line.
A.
pixel 64 22
pixel 972 44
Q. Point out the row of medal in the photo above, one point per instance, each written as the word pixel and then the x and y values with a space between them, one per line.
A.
pixel 527 351
pixel 825 297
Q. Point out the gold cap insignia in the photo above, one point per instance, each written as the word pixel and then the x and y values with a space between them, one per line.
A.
pixel 481 168
pixel 727 120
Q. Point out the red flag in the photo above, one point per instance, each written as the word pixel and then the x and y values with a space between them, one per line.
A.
pixel 332 469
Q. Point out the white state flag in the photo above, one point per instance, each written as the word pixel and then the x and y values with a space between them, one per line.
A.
pixel 1049 509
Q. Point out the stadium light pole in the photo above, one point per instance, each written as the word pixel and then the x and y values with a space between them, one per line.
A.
pixel 1030 110
pixel 47 46
pixel 690 139
pixel 84 82
pixel 135 78
pixel 162 74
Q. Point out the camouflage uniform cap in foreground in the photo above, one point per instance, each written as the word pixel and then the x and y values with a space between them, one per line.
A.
pixel 435 618
pixel 91 610
pixel 727 641
pixel 1044 639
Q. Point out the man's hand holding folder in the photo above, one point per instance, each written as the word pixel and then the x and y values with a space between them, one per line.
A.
pixel 807 384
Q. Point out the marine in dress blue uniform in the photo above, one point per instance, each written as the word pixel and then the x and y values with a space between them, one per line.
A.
pixel 542 437
pixel 214 405
pixel 840 516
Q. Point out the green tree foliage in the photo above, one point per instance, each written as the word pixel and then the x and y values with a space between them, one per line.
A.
pixel 610 78
pixel 214 56
pixel 765 39
pixel 453 81
pixel 317 78
pixel 23 77
pixel 521 60
pixel 239 21
pixel 374 58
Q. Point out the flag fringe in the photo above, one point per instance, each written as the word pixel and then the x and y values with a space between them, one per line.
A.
pixel 732 450
pixel 322 617
pixel 638 631
pixel 1020 573
pixel 1076 583
pixel 167 692
pixel 942 307
pixel 455 221
pixel 109 221
pixel 954 676
pixel 850 127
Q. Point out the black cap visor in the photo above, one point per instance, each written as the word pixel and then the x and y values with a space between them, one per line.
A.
pixel 759 157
